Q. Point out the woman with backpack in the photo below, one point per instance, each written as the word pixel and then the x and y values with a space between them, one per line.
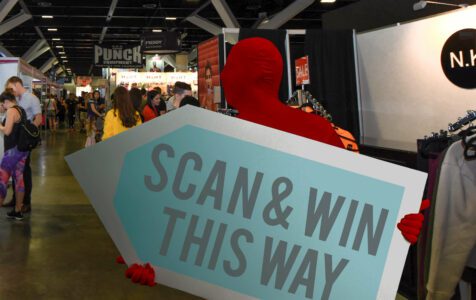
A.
pixel 13 161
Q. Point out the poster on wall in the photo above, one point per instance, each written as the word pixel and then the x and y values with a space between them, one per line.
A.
pixel 208 72
pixel 224 216
pixel 83 80
pixel 118 56
pixel 154 63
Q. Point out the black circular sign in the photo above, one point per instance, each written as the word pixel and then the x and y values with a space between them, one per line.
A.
pixel 458 58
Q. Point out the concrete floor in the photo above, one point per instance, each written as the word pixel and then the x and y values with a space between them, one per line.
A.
pixel 61 251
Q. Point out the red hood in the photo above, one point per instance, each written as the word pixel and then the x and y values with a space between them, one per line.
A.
pixel 251 80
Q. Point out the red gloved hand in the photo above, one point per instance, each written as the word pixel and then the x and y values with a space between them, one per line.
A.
pixel 120 260
pixel 143 274
pixel 410 225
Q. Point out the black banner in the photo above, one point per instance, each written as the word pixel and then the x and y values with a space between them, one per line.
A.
pixel 118 56
pixel 161 42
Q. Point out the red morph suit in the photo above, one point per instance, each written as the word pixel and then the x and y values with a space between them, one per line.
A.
pixel 251 80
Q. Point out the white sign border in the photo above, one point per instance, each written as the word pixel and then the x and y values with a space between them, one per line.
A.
pixel 98 168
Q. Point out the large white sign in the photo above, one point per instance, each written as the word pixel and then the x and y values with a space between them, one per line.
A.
pixel 228 209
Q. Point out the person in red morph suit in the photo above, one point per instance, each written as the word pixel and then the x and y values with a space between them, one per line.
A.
pixel 253 91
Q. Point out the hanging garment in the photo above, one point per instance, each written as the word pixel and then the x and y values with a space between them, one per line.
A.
pixel 347 139
pixel 454 222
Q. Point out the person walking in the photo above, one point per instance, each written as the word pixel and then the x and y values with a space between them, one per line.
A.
pixel 13 161
pixel 83 111
pixel 122 116
pixel 181 89
pixel 100 106
pixel 71 104
pixel 136 99
pixel 31 105
pixel 51 109
pixel 61 112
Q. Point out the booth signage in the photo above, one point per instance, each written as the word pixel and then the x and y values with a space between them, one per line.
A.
pixel 161 42
pixel 228 209
pixel 458 58
pixel 302 70
pixel 83 80
pixel 118 56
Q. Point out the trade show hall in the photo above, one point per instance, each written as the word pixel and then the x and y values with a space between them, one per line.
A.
pixel 255 149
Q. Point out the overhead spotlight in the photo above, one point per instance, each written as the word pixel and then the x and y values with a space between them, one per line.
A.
pixel 44 4
pixel 422 4
pixel 149 5
pixel 253 5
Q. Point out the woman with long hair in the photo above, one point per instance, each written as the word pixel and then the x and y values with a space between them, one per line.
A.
pixel 122 116
pixel 155 106
pixel 136 99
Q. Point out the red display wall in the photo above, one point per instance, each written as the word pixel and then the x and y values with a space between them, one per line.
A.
pixel 208 72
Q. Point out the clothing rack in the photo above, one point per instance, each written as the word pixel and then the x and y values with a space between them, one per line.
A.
pixel 309 100
pixel 228 111
pixel 470 117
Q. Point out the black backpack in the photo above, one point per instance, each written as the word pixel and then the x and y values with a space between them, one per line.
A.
pixel 29 134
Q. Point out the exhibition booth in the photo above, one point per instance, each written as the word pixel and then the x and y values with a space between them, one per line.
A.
pixel 149 80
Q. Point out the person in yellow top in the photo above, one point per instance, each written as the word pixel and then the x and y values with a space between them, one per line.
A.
pixel 122 116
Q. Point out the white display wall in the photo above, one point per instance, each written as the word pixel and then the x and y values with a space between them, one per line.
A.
pixel 404 93
pixel 8 68
pixel 148 80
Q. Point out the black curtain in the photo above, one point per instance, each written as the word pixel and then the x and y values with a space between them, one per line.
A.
pixel 332 75
pixel 278 37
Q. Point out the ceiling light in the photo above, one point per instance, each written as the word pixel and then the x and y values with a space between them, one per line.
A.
pixel 63 57
pixel 149 5
pixel 52 29
pixel 44 4
pixel 171 18
pixel 61 52
pixel 59 46
pixel 56 39
pixel 65 61
pixel 422 4
pixel 328 1
pixel 47 17
pixel 156 30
